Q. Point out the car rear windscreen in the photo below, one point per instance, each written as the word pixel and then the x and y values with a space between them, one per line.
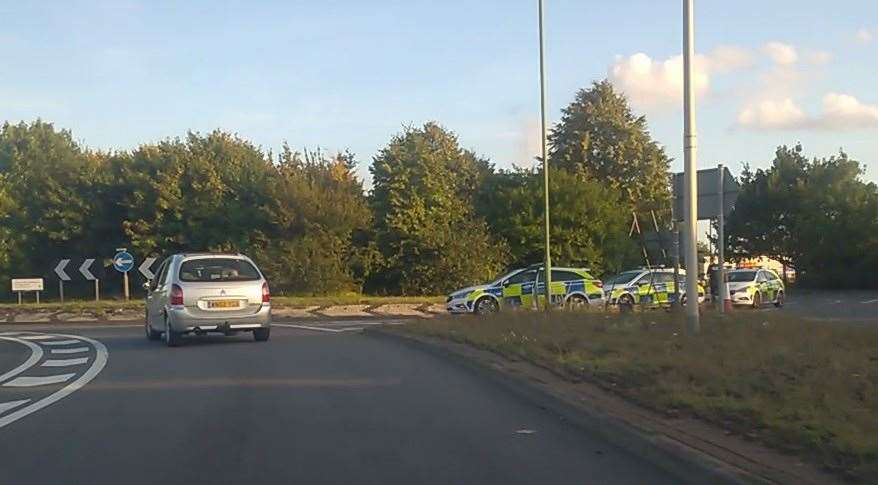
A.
pixel 218 269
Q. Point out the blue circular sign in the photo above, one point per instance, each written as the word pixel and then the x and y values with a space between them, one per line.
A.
pixel 123 261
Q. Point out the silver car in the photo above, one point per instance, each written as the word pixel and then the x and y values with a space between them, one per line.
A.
pixel 196 293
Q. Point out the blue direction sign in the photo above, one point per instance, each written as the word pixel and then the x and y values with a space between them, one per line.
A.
pixel 123 261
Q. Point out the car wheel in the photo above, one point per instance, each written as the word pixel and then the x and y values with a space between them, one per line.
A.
pixel 261 334
pixel 683 300
pixel 150 333
pixel 577 302
pixel 626 302
pixel 757 300
pixel 486 306
pixel 778 302
pixel 172 338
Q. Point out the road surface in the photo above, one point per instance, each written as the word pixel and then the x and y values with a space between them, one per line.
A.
pixel 324 405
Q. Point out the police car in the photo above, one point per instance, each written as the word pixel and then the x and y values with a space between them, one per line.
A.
pixel 755 287
pixel 645 286
pixel 570 287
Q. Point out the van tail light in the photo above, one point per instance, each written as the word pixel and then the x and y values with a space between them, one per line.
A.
pixel 266 296
pixel 599 284
pixel 176 295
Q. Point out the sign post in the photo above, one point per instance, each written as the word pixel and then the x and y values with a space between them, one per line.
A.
pixel 20 285
pixel 720 237
pixel 84 268
pixel 123 261
pixel 62 276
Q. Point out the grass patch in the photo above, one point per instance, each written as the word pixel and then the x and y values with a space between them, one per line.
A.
pixel 806 388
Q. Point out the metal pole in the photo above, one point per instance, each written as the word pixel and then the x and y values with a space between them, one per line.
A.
pixel 125 284
pixel 97 290
pixel 548 256
pixel 720 239
pixel 38 298
pixel 19 298
pixel 61 289
pixel 690 168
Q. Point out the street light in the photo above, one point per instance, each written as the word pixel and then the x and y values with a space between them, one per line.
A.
pixel 690 167
pixel 548 255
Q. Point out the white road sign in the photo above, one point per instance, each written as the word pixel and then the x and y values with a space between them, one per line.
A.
pixel 59 270
pixel 145 270
pixel 85 269
pixel 27 284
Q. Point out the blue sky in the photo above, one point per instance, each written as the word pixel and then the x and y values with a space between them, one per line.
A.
pixel 350 74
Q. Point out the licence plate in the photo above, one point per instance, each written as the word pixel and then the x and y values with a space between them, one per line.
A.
pixel 222 304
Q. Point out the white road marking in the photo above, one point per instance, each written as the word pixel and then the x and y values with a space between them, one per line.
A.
pixel 60 342
pixel 6 406
pixel 869 301
pixel 26 381
pixel 37 337
pixel 97 366
pixel 64 362
pixel 70 350
pixel 36 353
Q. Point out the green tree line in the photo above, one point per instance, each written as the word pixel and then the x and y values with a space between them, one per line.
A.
pixel 438 216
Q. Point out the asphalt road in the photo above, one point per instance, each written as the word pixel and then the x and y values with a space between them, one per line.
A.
pixel 326 405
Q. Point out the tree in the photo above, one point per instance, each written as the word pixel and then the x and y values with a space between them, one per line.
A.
pixel 587 227
pixel 426 226
pixel 816 216
pixel 48 191
pixel 317 208
pixel 601 139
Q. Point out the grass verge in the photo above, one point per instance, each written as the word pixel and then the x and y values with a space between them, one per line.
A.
pixel 104 306
pixel 805 388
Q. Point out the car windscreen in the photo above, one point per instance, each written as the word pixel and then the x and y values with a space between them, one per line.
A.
pixel 622 279
pixel 218 269
pixel 741 276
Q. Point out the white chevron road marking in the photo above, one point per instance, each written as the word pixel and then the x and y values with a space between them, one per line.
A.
pixel 27 381
pixel 63 362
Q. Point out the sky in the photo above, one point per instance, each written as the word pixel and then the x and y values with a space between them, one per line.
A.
pixel 351 74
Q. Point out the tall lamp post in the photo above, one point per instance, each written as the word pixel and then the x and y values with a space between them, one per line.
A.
pixel 548 255
pixel 690 167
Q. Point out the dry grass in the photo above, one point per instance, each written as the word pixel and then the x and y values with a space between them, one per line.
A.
pixel 807 388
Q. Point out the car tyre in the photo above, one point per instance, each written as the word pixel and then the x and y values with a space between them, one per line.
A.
pixel 261 334
pixel 779 301
pixel 151 334
pixel 626 303
pixel 757 300
pixel 172 338
pixel 577 302
pixel 486 306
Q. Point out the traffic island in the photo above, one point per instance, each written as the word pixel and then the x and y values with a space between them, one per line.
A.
pixel 755 396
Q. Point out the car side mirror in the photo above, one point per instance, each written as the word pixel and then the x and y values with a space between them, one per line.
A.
pixel 147 285
pixel 504 283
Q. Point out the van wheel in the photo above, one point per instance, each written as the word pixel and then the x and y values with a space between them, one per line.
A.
pixel 261 334
pixel 172 338
pixel 780 299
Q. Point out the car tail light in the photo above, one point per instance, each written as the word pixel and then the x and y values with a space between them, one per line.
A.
pixel 176 295
pixel 266 296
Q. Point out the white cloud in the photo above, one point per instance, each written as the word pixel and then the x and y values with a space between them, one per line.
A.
pixel 818 58
pixel 865 36
pixel 780 53
pixel 654 83
pixel 846 111
pixel 782 114
pixel 727 58
pixel 839 112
